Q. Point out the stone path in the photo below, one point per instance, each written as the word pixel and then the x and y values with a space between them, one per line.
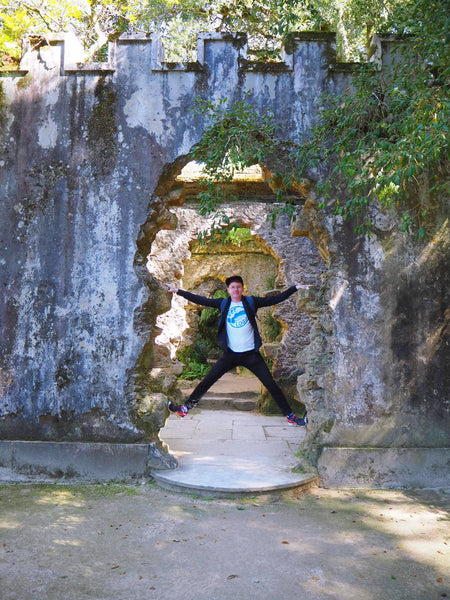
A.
pixel 230 452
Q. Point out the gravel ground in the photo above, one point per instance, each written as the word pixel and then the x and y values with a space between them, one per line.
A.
pixel 133 542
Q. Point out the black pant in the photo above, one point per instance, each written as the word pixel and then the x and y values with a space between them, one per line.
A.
pixel 254 362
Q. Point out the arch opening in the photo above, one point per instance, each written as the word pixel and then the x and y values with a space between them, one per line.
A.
pixel 269 259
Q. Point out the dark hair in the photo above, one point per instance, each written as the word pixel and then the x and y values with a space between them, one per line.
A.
pixel 230 280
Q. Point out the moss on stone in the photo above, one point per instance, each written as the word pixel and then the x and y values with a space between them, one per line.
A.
pixel 44 178
pixel 102 128
pixel 24 82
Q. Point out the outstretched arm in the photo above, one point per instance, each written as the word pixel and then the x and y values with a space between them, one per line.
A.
pixel 195 298
pixel 277 298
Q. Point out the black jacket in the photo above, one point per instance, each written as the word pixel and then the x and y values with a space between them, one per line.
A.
pixel 258 302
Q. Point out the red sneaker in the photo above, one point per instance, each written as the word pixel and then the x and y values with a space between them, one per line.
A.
pixel 294 420
pixel 181 410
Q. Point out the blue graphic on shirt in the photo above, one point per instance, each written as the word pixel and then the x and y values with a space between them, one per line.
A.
pixel 237 317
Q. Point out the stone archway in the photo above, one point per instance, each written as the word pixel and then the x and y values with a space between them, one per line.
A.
pixel 294 251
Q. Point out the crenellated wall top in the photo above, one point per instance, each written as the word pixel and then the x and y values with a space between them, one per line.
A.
pixel 65 52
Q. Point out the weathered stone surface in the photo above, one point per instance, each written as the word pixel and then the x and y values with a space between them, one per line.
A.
pixel 75 460
pixel 384 467
pixel 89 157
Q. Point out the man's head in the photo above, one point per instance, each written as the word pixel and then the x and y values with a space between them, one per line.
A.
pixel 237 278
pixel 235 287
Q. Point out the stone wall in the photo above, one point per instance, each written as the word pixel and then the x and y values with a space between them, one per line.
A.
pixel 88 155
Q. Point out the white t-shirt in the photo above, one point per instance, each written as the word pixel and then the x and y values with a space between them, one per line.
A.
pixel 239 330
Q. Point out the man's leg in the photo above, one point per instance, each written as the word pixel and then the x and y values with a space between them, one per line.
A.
pixel 256 364
pixel 222 366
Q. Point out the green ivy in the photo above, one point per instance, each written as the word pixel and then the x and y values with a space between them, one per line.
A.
pixel 236 137
pixel 272 328
pixel 379 144
pixel 205 346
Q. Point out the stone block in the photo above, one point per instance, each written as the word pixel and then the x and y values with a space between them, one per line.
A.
pixel 79 460
pixel 391 468
pixel 6 454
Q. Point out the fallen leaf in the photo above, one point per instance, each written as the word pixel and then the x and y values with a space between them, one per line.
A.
pixel 439 579
pixel 315 579
pixel 115 567
pixel 285 542
pixel 232 576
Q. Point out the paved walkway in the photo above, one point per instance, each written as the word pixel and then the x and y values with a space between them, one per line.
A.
pixel 229 452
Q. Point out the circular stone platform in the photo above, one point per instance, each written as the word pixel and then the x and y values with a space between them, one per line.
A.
pixel 229 453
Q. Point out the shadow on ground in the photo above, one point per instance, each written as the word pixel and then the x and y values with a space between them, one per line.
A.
pixel 140 542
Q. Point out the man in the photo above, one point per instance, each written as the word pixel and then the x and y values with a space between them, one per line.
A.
pixel 240 341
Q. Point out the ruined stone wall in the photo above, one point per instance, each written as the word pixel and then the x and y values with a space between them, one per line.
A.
pixel 87 156
pixel 376 376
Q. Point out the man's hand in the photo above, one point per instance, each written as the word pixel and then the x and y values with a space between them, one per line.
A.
pixel 302 286
pixel 171 288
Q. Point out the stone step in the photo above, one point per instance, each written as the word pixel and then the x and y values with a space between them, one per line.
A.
pixel 232 454
pixel 231 478
pixel 231 392
pixel 233 400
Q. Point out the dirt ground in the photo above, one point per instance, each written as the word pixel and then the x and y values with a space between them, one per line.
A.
pixel 136 542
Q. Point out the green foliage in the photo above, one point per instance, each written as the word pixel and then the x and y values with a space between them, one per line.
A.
pixel 268 23
pixel 390 137
pixel 194 370
pixel 194 359
pixel 271 327
pixel 223 231
pixel 239 235
pixel 13 26
pixel 381 142
pixel 94 22
pixel 205 346
pixel 236 137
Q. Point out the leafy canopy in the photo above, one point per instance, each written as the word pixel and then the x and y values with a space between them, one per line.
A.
pixel 267 22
